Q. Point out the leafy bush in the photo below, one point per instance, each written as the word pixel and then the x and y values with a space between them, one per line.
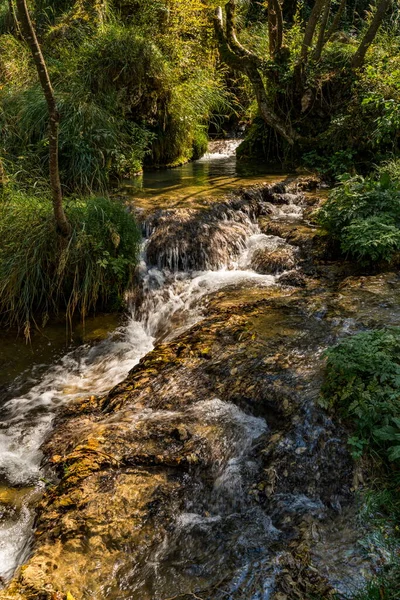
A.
pixel 41 273
pixel 364 215
pixel 374 238
pixel 362 380
pixel 334 165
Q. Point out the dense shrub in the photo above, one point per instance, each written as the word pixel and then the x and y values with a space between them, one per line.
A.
pixel 363 214
pixel 362 380
pixel 41 273
pixel 127 89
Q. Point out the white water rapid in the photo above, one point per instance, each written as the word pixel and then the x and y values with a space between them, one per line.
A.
pixel 172 302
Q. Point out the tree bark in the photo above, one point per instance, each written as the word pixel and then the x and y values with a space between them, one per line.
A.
pixel 359 57
pixel 241 59
pixel 310 29
pixel 3 179
pixel 230 10
pixel 321 34
pixel 336 20
pixel 275 27
pixel 54 117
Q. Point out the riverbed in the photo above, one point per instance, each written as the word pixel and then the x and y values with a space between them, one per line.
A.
pixel 209 470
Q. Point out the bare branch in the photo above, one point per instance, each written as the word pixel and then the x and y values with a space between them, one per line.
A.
pixel 310 28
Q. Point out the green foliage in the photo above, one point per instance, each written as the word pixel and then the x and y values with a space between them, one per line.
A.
pixel 362 380
pixel 332 165
pixel 130 87
pixel 372 239
pixel 381 510
pixel 391 170
pixel 40 272
pixel 364 215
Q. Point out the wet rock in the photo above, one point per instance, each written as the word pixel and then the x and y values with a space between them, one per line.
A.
pixel 211 463
pixel 187 239
pixel 127 461
pixel 293 278
pixel 273 261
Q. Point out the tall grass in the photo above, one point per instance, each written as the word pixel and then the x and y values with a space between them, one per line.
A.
pixel 42 274
pixel 123 94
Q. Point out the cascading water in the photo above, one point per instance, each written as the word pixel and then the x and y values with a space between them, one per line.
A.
pixel 194 476
pixel 172 301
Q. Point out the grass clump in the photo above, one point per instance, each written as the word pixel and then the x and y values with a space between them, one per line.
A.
pixel 42 273
pixel 363 215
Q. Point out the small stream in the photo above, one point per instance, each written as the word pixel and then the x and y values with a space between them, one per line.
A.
pixel 256 473
pixel 172 303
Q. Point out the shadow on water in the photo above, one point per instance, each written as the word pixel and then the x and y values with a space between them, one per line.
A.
pixel 214 175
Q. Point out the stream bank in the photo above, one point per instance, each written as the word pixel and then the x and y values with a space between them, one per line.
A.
pixel 211 471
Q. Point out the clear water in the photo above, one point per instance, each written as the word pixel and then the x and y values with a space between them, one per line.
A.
pixel 216 174
pixel 173 302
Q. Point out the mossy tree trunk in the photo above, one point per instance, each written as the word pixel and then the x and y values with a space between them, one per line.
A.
pixel 284 102
pixel 29 34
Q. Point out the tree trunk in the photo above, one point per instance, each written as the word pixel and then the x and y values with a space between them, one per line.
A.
pixel 241 59
pixel 3 179
pixel 321 34
pixel 275 27
pixel 310 28
pixel 359 57
pixel 54 117
pixel 336 20
pixel 13 16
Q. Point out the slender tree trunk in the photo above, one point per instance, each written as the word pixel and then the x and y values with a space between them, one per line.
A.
pixel 275 27
pixel 359 57
pixel 336 20
pixel 13 15
pixel 321 34
pixel 3 179
pixel 54 117
pixel 310 28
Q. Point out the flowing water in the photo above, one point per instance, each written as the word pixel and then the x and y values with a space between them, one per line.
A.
pixel 172 303
pixel 189 256
pixel 214 175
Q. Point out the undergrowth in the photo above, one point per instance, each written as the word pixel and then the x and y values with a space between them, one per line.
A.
pixel 362 382
pixel 41 273
pixel 363 214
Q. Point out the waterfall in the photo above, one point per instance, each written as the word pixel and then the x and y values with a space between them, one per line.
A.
pixel 188 256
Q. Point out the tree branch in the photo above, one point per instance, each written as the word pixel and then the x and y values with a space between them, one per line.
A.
pixel 275 27
pixel 359 57
pixel 310 29
pixel 335 23
pixel 321 34
pixel 231 36
pixel 242 60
